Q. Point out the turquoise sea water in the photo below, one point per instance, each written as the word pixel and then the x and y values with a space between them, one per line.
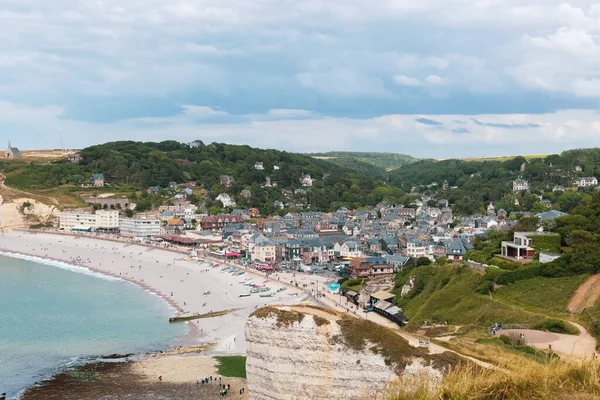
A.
pixel 52 317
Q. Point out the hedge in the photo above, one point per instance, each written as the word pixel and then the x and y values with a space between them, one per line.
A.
pixel 519 275
pixel 546 243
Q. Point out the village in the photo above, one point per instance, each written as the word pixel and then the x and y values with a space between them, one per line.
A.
pixel 355 243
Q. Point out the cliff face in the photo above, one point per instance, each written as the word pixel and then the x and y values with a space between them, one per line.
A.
pixel 309 353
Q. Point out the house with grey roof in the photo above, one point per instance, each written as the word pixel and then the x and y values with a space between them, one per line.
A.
pixel 550 215
pixel 456 250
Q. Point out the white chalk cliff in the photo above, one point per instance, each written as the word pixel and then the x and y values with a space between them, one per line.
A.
pixel 310 353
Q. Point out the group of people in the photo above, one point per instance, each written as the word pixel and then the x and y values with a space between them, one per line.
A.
pixel 224 388
pixel 495 328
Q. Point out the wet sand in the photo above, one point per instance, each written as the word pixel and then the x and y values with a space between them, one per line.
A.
pixel 138 380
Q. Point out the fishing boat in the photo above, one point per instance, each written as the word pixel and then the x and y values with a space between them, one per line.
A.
pixel 245 295
pixel 267 294
pixel 254 290
pixel 265 289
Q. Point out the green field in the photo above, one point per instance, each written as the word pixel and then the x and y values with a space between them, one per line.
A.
pixel 542 295
pixel 232 367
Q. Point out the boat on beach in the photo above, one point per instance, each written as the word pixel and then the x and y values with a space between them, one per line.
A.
pixel 245 295
pixel 267 294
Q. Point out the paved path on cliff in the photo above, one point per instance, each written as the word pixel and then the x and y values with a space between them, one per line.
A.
pixel 586 296
pixel 582 345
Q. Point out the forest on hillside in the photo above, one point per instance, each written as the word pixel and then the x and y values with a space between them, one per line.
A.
pixel 472 185
pixel 140 165
pixel 347 182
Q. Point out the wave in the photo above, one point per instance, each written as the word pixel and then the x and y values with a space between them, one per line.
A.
pixel 61 264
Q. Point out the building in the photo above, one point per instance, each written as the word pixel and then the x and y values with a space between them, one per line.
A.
pixel 246 194
pixel 558 188
pixel 83 221
pixel 520 185
pixel 369 267
pixel 549 257
pixel 306 180
pixel 259 166
pixel 586 182
pixel 218 222
pixel 456 250
pixel 13 152
pixel 97 180
pixel 226 180
pixel 550 215
pixel 350 249
pixel 264 250
pixel 74 158
pixel 140 227
pixel 522 246
pixel 226 200
pixel 416 249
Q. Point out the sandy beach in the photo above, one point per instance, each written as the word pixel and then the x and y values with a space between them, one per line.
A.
pixel 193 287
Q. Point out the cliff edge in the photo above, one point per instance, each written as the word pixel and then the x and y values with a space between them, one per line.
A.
pixel 305 352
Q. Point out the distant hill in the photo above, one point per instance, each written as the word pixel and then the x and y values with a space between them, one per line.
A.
pixel 388 161
pixel 135 166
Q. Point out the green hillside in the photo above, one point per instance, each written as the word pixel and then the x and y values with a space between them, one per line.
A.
pixel 387 161
pixel 450 294
pixel 134 166
pixel 473 184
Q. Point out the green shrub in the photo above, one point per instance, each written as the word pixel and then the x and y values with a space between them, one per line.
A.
pixel 518 275
pixel 557 326
pixel 505 264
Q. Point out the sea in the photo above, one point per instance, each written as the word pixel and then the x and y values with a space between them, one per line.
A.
pixel 53 316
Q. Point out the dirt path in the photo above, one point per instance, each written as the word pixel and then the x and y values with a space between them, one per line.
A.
pixel 586 295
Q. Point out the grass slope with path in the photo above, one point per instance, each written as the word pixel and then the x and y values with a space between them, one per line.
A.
pixel 449 294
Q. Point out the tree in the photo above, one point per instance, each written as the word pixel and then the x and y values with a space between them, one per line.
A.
pixel 423 261
pixel 527 224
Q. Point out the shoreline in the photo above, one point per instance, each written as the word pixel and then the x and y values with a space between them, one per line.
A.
pixel 160 272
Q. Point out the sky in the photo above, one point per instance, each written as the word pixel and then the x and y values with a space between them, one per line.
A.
pixel 452 78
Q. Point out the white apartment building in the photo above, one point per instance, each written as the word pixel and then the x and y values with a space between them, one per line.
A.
pixel 416 249
pixel 101 220
pixel 140 227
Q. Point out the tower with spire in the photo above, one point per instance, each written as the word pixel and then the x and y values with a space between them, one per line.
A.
pixel 13 152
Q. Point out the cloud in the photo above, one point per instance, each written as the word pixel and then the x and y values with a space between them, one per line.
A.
pixel 427 121
pixel 437 80
pixel 404 80
pixel 439 136
pixel 343 82
pixel 506 126
pixel 460 130
pixel 112 61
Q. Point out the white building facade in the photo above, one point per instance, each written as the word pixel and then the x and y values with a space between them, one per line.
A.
pixel 101 220
pixel 140 228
